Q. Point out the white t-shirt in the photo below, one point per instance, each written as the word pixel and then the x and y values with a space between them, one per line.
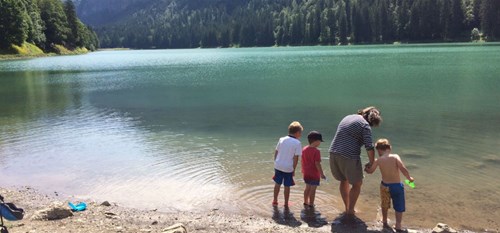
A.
pixel 287 148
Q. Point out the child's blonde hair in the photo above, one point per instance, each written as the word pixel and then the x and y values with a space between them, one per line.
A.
pixel 295 127
pixel 383 144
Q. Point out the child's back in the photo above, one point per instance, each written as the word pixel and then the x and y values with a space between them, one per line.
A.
pixel 389 168
pixel 391 187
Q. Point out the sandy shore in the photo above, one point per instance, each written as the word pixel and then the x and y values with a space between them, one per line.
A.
pixel 114 218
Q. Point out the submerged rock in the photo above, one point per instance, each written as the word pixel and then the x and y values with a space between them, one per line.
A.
pixel 443 228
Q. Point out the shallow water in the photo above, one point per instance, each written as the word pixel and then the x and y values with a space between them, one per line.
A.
pixel 194 130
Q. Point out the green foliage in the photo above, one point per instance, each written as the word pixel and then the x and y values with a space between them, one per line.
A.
pixel 27 49
pixel 475 35
pixel 35 23
pixel 74 37
pixel 43 23
pixel 56 24
pixel 490 19
pixel 13 23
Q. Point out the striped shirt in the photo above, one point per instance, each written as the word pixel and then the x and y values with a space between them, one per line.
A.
pixel 352 133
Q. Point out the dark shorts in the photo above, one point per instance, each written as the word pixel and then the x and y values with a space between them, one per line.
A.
pixel 346 169
pixel 311 182
pixel 284 178
pixel 394 191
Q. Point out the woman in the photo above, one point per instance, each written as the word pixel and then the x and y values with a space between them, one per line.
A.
pixel 353 132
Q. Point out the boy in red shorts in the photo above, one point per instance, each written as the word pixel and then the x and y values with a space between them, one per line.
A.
pixel 311 167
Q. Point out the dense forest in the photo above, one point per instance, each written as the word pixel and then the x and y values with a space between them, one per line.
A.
pixel 246 23
pixel 44 23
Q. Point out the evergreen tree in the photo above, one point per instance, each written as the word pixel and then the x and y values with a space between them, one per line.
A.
pixel 73 38
pixel 490 18
pixel 13 23
pixel 56 24
pixel 342 34
pixel 35 23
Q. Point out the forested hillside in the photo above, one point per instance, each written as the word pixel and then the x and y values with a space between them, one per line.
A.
pixel 98 12
pixel 49 24
pixel 223 23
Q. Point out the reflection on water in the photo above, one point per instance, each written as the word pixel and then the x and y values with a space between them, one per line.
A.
pixel 194 130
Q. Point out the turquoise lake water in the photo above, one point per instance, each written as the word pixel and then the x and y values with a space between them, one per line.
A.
pixel 195 129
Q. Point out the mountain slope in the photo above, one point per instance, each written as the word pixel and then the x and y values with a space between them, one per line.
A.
pixel 223 23
pixel 99 12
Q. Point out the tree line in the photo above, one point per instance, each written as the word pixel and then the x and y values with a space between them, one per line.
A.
pixel 44 23
pixel 246 23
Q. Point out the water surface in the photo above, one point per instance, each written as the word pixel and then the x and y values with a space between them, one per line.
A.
pixel 194 130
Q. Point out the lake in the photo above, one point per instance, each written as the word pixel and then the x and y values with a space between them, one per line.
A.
pixel 195 129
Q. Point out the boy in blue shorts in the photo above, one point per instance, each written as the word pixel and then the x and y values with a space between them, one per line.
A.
pixel 391 186
pixel 286 158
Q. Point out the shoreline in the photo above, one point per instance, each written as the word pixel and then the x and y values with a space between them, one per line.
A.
pixel 13 57
pixel 115 218
pixel 10 57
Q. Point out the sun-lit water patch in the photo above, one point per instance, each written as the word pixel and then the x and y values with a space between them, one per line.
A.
pixel 99 155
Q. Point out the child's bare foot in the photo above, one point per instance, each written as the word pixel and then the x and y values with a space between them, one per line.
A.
pixel 386 225
pixel 400 229
pixel 275 203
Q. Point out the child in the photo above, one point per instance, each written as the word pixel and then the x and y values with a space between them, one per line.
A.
pixel 286 158
pixel 391 186
pixel 311 167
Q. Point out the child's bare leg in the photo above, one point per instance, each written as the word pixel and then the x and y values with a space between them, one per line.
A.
pixel 287 195
pixel 399 218
pixel 312 194
pixel 276 192
pixel 306 194
pixel 384 217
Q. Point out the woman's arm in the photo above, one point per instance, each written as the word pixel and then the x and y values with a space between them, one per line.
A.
pixel 372 168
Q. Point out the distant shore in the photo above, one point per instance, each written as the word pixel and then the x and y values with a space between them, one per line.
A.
pixel 114 218
pixel 7 56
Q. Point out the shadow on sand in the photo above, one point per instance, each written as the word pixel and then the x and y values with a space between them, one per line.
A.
pixel 341 224
pixel 312 217
pixel 285 218
pixel 350 224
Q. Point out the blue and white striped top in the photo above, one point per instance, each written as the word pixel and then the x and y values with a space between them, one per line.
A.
pixel 352 133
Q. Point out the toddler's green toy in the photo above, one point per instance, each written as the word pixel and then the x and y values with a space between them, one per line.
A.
pixel 411 184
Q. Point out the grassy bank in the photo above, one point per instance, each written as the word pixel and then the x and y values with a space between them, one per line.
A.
pixel 28 50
